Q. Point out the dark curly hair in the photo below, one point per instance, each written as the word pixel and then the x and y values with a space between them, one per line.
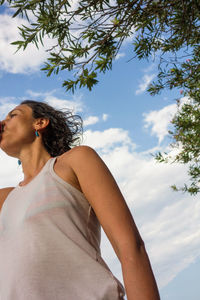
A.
pixel 63 130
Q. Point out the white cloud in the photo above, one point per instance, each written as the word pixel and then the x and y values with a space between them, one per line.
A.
pixel 6 104
pixel 10 172
pixel 20 62
pixel 104 117
pixel 159 120
pixel 94 119
pixel 150 68
pixel 146 79
pixel 76 105
pixel 107 139
pixel 119 55
pixel 90 120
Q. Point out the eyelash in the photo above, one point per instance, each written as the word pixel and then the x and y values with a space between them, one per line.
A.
pixel 12 115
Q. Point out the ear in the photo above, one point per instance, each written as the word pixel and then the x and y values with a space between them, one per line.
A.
pixel 41 123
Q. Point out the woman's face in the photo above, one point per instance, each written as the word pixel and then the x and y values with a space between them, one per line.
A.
pixel 18 130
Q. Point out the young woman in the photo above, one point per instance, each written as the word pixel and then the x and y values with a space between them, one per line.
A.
pixel 50 222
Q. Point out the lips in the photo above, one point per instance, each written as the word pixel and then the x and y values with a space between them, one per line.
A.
pixel 1 127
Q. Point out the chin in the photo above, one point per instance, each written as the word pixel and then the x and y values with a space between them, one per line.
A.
pixel 8 151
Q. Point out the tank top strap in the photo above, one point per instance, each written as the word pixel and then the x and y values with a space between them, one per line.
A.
pixel 48 164
pixel 51 164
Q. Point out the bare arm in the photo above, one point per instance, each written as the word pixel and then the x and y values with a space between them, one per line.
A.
pixel 103 194
pixel 4 194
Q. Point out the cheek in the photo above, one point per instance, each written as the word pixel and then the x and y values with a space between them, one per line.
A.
pixel 24 129
pixel 21 132
pixel 26 133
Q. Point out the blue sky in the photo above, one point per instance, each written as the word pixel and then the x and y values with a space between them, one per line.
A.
pixel 125 125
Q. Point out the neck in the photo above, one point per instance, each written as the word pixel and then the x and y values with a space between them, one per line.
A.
pixel 32 163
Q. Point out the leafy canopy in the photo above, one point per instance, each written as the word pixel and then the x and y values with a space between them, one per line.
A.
pixel 88 35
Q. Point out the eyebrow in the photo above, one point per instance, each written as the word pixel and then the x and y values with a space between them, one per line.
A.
pixel 14 110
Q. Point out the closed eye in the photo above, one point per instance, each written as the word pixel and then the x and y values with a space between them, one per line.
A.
pixel 12 115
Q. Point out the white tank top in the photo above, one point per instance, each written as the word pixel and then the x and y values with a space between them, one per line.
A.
pixel 50 244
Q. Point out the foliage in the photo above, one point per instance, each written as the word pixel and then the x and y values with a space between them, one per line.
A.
pixel 186 122
pixel 88 35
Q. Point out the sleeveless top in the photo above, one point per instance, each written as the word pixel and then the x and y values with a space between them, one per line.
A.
pixel 50 244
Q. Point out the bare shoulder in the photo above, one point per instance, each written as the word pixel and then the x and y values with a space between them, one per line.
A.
pixel 84 160
pixel 81 160
pixel 83 149
pixel 79 154
pixel 71 162
pixel 5 191
pixel 4 194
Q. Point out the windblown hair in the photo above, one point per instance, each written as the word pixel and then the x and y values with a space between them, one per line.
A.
pixel 63 131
